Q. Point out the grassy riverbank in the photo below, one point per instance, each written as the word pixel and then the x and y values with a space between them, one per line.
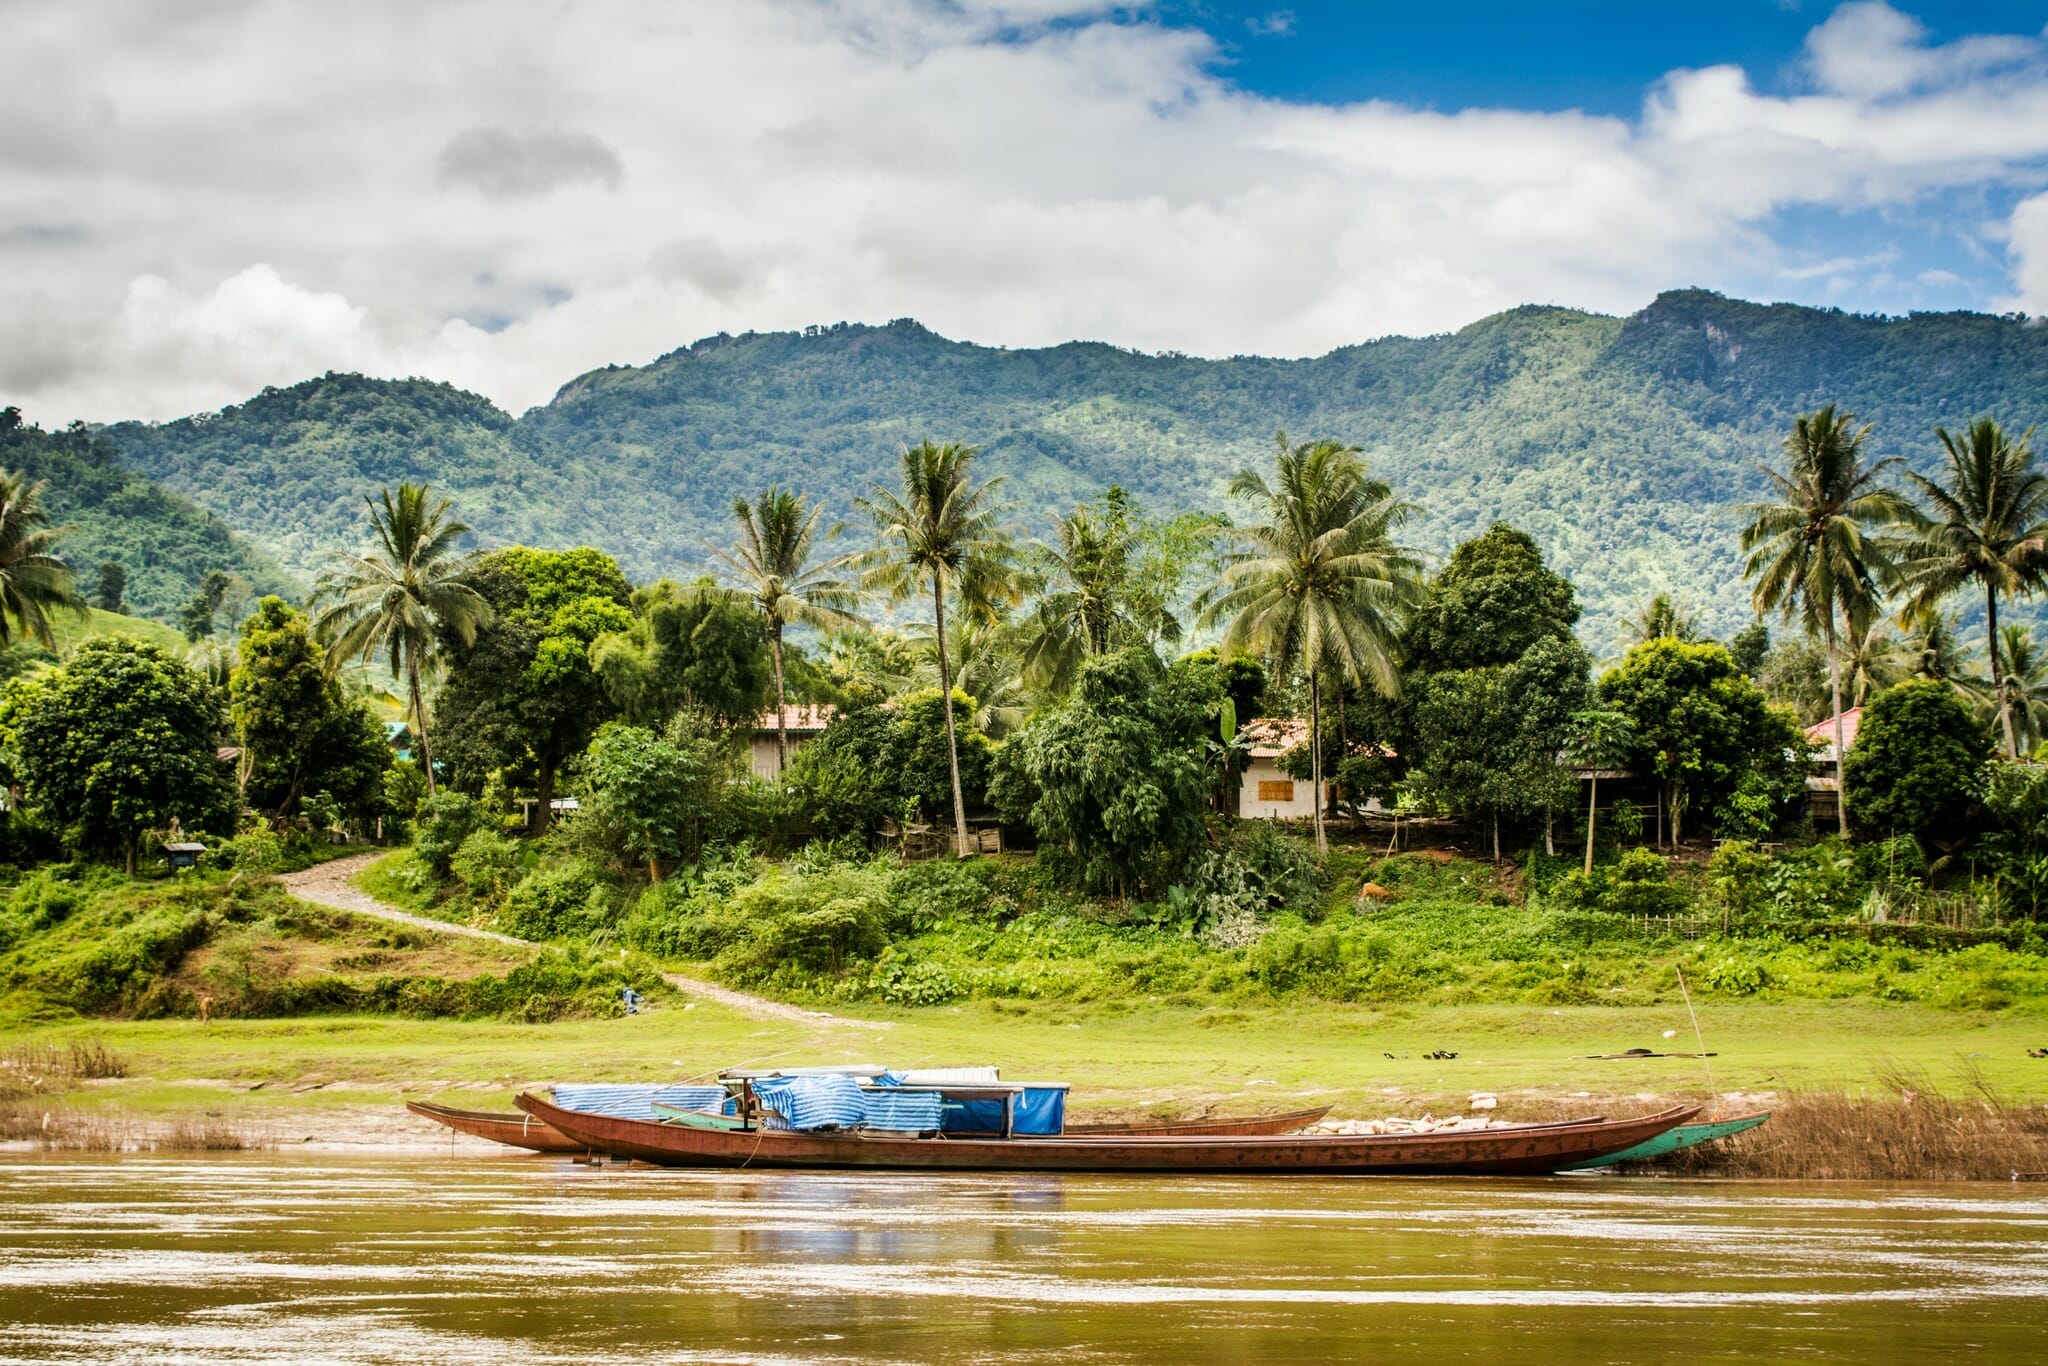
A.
pixel 323 1022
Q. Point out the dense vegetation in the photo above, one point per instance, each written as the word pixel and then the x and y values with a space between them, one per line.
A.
pixel 1620 445
pixel 163 543
pixel 1046 689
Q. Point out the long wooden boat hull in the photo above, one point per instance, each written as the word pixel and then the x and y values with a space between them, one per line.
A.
pixel 1293 1121
pixel 516 1130
pixel 1682 1136
pixel 1519 1151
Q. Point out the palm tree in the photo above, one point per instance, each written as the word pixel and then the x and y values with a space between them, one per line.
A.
pixel 987 666
pixel 1808 551
pixel 1660 619
pixel 1989 528
pixel 34 580
pixel 393 600
pixel 2022 687
pixel 773 563
pixel 1318 584
pixel 940 531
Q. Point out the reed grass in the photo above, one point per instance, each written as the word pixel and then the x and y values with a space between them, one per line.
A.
pixel 1907 1130
pixel 56 1127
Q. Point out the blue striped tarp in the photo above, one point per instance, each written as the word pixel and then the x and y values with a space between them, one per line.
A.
pixel 902 1107
pixel 819 1102
pixel 636 1102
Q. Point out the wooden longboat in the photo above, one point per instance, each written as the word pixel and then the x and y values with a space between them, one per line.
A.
pixel 515 1129
pixel 1243 1126
pixel 1525 1150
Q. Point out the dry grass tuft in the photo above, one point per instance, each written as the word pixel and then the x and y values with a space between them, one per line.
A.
pixel 33 1069
pixel 1910 1132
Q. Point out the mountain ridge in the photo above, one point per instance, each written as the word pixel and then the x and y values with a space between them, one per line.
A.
pixel 1621 443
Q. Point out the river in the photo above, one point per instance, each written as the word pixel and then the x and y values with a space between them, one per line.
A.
pixel 415 1257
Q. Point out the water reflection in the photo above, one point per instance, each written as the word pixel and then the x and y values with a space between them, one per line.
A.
pixel 411 1258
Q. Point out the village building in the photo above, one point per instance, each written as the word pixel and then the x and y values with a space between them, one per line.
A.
pixel 1823 797
pixel 803 722
pixel 1266 792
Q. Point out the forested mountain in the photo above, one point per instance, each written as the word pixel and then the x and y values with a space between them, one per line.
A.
pixel 1621 444
pixel 164 541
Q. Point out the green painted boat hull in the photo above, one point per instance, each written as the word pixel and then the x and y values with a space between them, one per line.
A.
pixel 1670 1141
pixel 697 1119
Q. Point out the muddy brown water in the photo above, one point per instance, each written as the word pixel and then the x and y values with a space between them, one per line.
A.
pixel 419 1257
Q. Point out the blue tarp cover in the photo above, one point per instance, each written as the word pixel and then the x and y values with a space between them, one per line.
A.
pixel 902 1108
pixel 1041 1111
pixel 636 1102
pixel 825 1102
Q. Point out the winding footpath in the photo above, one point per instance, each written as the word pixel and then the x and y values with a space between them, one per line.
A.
pixel 331 884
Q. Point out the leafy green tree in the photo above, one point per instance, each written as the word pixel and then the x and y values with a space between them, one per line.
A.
pixel 122 740
pixel 1490 602
pixel 638 795
pixel 876 762
pixel 300 733
pixel 1918 764
pixel 196 618
pixel 1750 647
pixel 34 580
pixel 778 536
pixel 1988 530
pixel 522 695
pixel 1318 583
pixel 696 646
pixel 402 599
pixel 940 529
pixel 1598 739
pixel 1808 551
pixel 112 591
pixel 1113 779
pixel 1699 724
pixel 1490 741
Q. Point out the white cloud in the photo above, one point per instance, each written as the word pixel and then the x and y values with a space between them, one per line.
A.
pixel 201 200
pixel 2029 246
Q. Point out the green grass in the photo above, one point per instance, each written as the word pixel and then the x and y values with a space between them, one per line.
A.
pixel 1144 1059
pixel 70 630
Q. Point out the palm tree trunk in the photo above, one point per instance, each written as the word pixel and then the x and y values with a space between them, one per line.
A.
pixel 419 716
pixel 2012 744
pixel 1496 836
pixel 1835 685
pixel 1315 756
pixel 946 695
pixel 129 852
pixel 1549 831
pixel 781 725
pixel 1592 813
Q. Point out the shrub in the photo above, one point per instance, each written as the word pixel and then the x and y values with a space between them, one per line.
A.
pixel 1640 884
pixel 1292 956
pixel 564 900
pixel 1739 879
pixel 488 864
pixel 255 850
pixel 444 821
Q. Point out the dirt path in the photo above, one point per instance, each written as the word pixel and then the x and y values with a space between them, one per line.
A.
pixel 329 884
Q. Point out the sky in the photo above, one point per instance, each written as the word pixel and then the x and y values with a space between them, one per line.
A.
pixel 199 198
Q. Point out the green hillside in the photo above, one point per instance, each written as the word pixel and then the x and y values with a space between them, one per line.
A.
pixel 164 540
pixel 1620 443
